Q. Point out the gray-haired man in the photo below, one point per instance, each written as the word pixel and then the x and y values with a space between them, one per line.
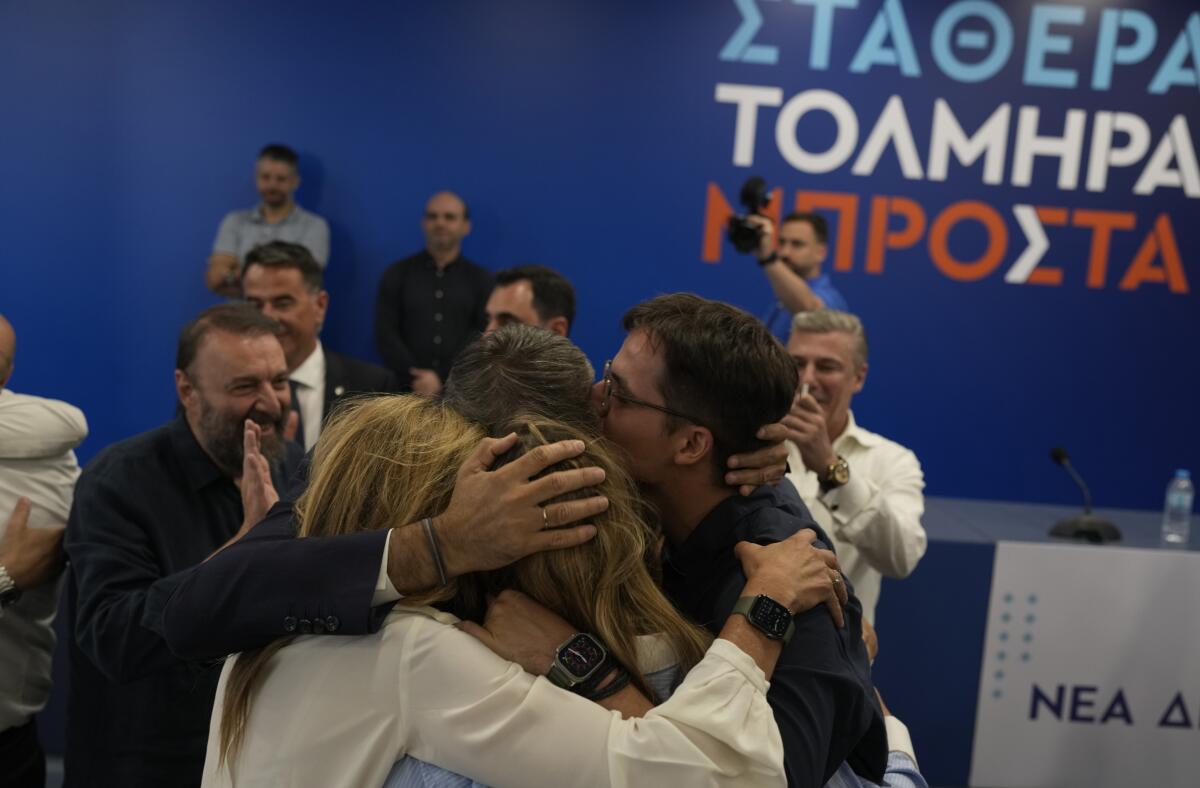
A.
pixel 863 489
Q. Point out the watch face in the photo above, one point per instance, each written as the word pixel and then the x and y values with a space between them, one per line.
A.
pixel 10 597
pixel 770 616
pixel 581 655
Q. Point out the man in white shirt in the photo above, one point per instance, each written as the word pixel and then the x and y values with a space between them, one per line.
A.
pixel 37 480
pixel 863 489
pixel 284 281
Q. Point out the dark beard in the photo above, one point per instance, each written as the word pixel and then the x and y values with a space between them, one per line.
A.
pixel 224 438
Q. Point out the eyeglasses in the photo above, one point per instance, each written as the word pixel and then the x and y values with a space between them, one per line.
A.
pixel 610 391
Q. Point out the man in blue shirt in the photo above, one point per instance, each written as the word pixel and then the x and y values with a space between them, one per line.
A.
pixel 794 269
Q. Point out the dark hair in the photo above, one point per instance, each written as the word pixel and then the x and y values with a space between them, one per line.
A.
pixel 281 254
pixel 815 220
pixel 720 365
pixel 277 152
pixel 521 368
pixel 553 295
pixel 240 319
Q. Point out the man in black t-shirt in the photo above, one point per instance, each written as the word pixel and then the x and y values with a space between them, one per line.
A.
pixel 692 384
pixel 432 304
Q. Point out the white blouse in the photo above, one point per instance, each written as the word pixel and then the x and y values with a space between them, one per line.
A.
pixel 339 711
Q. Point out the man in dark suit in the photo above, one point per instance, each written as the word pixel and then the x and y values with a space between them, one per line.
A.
pixel 146 510
pixel 283 281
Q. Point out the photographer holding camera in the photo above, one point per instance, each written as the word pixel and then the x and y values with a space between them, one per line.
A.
pixel 794 269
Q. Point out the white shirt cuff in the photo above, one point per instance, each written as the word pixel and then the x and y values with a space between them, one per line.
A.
pixel 385 591
pixel 741 662
pixel 847 501
pixel 898 738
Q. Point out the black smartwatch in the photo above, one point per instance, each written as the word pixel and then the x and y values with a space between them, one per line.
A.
pixel 580 663
pixel 767 616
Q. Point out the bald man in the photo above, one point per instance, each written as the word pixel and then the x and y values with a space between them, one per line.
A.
pixel 37 480
pixel 432 304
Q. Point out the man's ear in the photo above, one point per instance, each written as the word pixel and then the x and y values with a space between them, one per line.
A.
pixel 557 325
pixel 184 388
pixel 695 446
pixel 860 378
pixel 321 300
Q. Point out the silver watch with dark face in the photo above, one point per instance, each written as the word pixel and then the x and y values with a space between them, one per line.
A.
pixel 578 661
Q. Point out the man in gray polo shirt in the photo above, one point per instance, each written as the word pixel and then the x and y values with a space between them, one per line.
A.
pixel 276 218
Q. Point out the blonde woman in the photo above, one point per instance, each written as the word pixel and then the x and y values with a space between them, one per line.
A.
pixel 423 693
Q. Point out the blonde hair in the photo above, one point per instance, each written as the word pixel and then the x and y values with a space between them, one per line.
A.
pixel 390 461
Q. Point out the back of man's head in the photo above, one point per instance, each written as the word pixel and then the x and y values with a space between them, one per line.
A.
pixel 238 319
pixel 553 295
pixel 282 254
pixel 281 153
pixel 8 350
pixel 819 226
pixel 832 321
pixel 522 368
pixel 720 365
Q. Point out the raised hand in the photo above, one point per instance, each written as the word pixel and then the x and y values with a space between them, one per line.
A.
pixel 258 491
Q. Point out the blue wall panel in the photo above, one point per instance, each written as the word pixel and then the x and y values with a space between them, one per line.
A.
pixel 585 137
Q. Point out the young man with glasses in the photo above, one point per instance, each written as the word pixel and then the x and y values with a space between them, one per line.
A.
pixel 691 385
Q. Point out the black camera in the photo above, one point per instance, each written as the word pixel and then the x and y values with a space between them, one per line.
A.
pixel 754 197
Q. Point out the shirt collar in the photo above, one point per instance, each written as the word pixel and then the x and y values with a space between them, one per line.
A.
pixel 427 260
pixel 258 215
pixel 856 434
pixel 311 371
pixel 197 466
pixel 715 536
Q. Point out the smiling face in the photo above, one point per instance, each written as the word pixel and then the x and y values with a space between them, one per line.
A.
pixel 276 182
pixel 231 379
pixel 281 293
pixel 827 363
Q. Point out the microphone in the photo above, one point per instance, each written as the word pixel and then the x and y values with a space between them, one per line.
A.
pixel 1059 455
pixel 1086 526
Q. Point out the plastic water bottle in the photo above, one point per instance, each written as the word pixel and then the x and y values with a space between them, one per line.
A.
pixel 1177 512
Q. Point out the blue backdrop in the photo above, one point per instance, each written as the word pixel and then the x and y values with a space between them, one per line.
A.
pixel 586 137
